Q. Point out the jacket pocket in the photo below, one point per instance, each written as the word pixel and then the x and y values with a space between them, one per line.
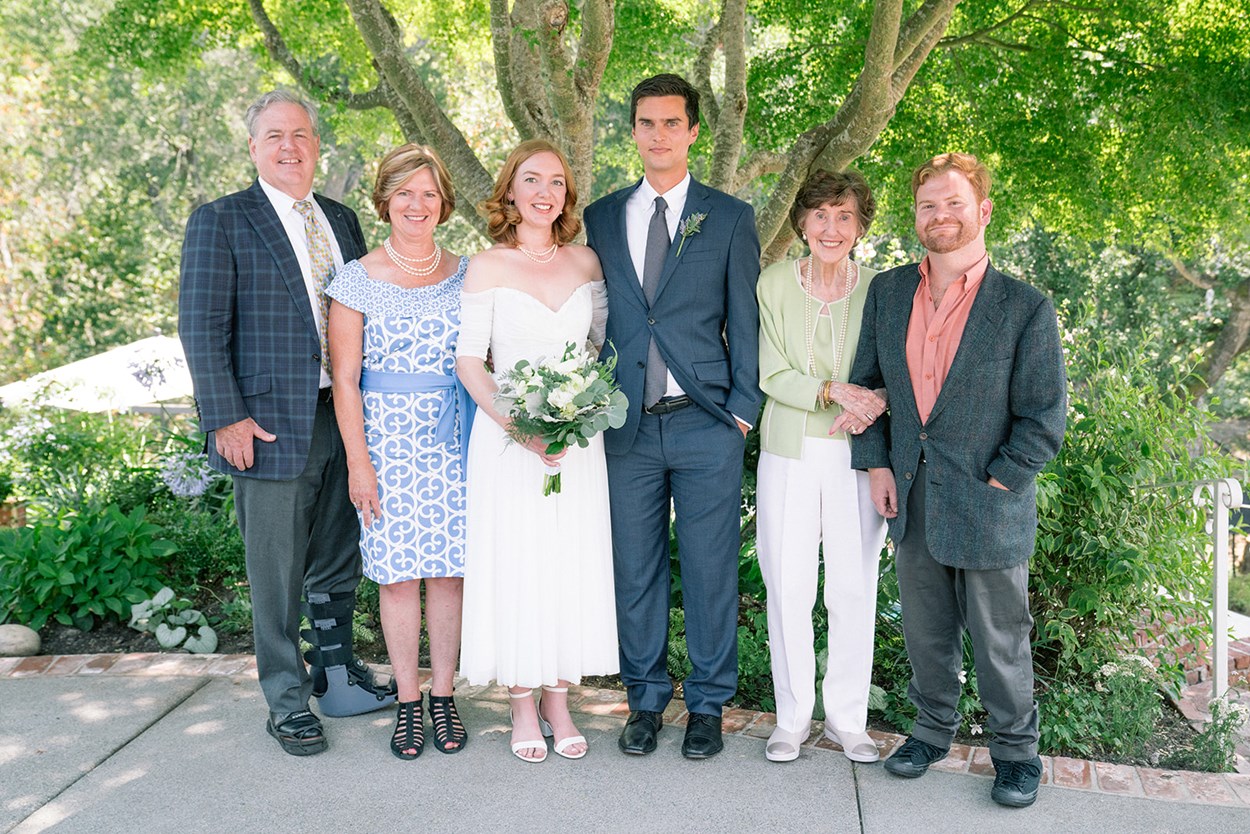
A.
pixel 251 386
pixel 714 371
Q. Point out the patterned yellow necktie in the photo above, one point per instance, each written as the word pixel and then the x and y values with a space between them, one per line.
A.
pixel 322 260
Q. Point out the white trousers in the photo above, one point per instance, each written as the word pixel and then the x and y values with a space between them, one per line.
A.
pixel 800 504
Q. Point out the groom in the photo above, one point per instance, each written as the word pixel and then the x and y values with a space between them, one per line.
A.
pixel 681 261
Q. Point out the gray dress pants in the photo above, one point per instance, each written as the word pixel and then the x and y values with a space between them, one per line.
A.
pixel 301 535
pixel 939 602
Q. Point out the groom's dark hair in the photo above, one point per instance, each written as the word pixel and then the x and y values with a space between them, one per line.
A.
pixel 666 84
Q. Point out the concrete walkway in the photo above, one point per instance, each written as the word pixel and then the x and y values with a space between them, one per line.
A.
pixel 175 743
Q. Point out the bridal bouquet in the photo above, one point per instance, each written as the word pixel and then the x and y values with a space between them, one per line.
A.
pixel 562 402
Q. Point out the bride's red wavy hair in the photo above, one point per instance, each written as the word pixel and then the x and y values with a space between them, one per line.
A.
pixel 502 216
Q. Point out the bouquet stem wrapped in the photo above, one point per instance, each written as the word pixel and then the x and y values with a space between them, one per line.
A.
pixel 561 402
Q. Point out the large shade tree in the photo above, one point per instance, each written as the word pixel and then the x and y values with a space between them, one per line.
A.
pixel 1126 121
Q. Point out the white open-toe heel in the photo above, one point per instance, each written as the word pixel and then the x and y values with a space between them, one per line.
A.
pixel 559 745
pixel 527 744
pixel 858 747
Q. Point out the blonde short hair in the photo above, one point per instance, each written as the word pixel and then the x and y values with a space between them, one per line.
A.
pixel 501 214
pixel 400 164
pixel 965 163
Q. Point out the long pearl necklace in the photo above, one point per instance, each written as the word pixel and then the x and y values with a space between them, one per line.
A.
pixel 409 264
pixel 810 330
pixel 544 256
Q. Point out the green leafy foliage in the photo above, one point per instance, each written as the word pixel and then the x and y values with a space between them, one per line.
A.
pixel 1121 543
pixel 80 568
pixel 174 622
pixel 1214 748
pixel 1115 717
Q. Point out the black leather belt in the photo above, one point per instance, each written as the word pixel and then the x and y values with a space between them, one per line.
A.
pixel 667 405
pixel 323 394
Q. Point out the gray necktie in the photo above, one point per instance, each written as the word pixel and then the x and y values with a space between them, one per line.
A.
pixel 656 380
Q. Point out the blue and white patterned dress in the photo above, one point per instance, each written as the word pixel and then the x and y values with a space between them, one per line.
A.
pixel 420 480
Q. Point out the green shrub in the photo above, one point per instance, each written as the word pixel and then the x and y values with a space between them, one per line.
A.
pixel 1213 749
pixel 1115 717
pixel 1120 542
pixel 80 568
pixel 1239 593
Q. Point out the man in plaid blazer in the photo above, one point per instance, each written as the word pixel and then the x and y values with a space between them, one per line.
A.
pixel 251 319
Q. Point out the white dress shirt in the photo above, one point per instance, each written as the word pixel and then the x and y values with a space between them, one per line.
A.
pixel 293 223
pixel 638 210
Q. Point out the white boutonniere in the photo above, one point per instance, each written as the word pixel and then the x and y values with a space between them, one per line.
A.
pixel 689 227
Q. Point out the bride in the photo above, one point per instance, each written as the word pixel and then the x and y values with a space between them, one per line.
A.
pixel 539 609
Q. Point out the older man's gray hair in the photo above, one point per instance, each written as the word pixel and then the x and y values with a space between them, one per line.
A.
pixel 275 97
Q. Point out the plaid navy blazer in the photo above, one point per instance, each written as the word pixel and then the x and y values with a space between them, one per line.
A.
pixel 248 329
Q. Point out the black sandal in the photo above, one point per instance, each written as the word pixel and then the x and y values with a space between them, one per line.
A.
pixel 409 730
pixel 448 728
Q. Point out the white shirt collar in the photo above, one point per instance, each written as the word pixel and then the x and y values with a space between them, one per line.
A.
pixel 281 201
pixel 675 196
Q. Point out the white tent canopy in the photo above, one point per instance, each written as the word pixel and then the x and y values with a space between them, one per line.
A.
pixel 144 376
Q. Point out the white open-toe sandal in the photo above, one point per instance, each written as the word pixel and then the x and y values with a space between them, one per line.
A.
pixel 858 747
pixel 527 744
pixel 559 745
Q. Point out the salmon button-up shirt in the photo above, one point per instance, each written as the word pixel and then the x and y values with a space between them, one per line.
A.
pixel 933 334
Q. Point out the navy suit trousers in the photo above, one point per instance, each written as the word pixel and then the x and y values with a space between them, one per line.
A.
pixel 686 467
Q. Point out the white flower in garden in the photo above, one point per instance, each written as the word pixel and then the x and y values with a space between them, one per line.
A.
pixel 975 729
pixel 1108 669
pixel 963 676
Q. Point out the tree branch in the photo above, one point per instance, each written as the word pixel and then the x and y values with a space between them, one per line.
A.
pixel 733 108
pixel 383 38
pixel 894 53
pixel 755 166
pixel 703 74
pixel 594 46
pixel 276 46
pixel 1200 281
pixel 501 41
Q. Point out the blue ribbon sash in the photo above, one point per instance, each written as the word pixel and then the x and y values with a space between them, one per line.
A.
pixel 461 404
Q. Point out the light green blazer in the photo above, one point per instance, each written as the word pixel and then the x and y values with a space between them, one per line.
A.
pixel 791 412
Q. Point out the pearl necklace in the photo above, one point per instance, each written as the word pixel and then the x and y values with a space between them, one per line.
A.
pixel 810 330
pixel 406 264
pixel 545 256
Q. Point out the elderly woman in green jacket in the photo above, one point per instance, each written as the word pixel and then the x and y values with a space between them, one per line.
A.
pixel 807 493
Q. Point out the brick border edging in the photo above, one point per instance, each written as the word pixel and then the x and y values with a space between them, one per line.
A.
pixel 1227 789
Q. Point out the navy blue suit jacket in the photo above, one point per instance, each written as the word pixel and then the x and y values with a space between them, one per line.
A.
pixel 1002 412
pixel 704 317
pixel 248 328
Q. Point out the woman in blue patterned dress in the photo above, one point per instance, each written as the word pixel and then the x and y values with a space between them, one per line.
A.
pixel 404 418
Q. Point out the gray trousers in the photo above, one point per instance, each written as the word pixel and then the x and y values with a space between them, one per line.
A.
pixel 939 602
pixel 301 535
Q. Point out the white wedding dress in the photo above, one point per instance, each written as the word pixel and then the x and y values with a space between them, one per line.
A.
pixel 538 593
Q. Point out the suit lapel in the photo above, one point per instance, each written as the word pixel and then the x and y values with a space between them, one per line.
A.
pixel 273 235
pixel 894 353
pixel 341 228
pixel 980 335
pixel 696 203
pixel 618 245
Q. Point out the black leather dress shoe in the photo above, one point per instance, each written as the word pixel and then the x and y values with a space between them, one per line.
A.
pixel 638 737
pixel 703 738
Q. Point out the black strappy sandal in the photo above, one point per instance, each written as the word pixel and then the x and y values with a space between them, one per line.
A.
pixel 409 730
pixel 448 728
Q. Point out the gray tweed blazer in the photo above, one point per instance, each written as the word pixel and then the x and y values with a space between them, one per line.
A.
pixel 1001 412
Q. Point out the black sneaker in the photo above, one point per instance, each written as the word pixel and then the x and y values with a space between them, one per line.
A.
pixel 1015 783
pixel 914 758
